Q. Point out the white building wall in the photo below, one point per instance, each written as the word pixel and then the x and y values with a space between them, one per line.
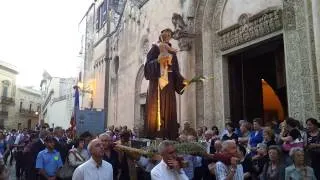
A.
pixel 59 110
pixel 59 113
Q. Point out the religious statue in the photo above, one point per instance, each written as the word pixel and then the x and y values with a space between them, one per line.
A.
pixel 161 107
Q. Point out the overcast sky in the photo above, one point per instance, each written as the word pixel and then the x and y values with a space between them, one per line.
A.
pixel 38 35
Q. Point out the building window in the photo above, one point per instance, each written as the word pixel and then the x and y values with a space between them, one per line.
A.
pixel 1 123
pixel 38 108
pixel 101 15
pixel 30 108
pixel 80 76
pixel 21 103
pixel 5 86
pixel 5 91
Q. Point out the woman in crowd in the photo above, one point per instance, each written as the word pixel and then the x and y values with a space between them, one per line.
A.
pixel 274 170
pixel 261 158
pixel 299 170
pixel 246 163
pixel 268 136
pixel 313 144
pixel 245 134
pixel 215 133
pixel 78 154
pixel 291 140
pixel 256 136
pixel 230 135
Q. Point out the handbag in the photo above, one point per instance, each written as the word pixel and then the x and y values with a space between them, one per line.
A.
pixel 288 146
pixel 66 171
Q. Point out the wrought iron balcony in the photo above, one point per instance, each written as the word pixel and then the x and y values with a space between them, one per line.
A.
pixel 4 113
pixel 6 100
pixel 28 113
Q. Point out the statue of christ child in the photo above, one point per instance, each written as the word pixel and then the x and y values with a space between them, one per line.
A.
pixel 165 59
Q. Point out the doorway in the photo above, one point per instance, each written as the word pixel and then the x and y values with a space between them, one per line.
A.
pixel 254 74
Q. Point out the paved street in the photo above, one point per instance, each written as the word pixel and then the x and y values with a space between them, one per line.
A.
pixel 12 171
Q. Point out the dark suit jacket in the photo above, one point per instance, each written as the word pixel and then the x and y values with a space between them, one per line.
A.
pixel 62 147
pixel 31 155
pixel 36 148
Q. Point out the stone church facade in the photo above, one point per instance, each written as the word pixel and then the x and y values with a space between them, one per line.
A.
pixel 212 36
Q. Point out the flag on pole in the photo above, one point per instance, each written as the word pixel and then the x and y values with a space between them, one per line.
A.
pixel 75 109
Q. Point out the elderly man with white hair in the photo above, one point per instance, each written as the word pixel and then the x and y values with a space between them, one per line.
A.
pixel 209 142
pixel 95 168
pixel 169 168
pixel 233 171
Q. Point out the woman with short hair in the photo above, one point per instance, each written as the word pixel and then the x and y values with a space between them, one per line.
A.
pixel 268 136
pixel 230 135
pixel 313 144
pixel 274 170
pixel 78 154
pixel 299 170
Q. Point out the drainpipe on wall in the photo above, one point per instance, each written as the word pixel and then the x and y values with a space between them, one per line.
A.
pixel 107 69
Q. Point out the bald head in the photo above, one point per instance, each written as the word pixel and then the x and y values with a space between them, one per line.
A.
pixel 95 148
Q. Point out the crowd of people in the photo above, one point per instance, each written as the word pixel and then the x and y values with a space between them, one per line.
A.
pixel 277 151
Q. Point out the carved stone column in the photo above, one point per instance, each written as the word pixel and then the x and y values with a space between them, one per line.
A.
pixel 188 99
pixel 300 80
pixel 184 36
pixel 316 29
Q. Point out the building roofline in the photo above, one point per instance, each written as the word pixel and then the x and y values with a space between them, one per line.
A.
pixel 87 12
pixel 8 67
pixel 31 91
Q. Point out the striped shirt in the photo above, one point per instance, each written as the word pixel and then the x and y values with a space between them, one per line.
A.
pixel 222 172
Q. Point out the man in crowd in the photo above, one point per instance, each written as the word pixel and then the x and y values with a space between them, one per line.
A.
pixel 11 138
pixel 169 168
pixel 188 130
pixel 60 142
pixel 19 144
pixel 110 155
pixel 49 160
pixel 36 147
pixel 95 167
pixel 233 171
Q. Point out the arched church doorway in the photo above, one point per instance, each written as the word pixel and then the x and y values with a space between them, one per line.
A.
pixel 141 88
pixel 257 74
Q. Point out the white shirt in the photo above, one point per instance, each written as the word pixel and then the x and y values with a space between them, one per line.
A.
pixel 208 145
pixel 89 171
pixel 222 172
pixel 18 139
pixel 163 172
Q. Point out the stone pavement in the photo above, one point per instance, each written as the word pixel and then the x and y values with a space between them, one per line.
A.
pixel 12 171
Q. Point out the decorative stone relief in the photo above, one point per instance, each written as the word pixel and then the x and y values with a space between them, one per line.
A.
pixel 249 28
pixel 182 32
pixel 145 47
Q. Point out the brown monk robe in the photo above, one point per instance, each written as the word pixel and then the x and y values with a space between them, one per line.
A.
pixel 168 106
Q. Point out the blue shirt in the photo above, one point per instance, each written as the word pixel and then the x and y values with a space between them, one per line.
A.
pixel 49 161
pixel 193 162
pixel 256 138
pixel 3 145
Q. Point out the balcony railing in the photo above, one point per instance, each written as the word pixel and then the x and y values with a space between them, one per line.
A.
pixel 6 100
pixel 4 113
pixel 27 112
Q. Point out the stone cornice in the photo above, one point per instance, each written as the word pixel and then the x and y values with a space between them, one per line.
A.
pixel 250 27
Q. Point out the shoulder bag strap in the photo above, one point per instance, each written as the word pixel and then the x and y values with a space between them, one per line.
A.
pixel 78 155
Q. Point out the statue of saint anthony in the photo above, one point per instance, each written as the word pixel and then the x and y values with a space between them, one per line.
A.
pixel 161 107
